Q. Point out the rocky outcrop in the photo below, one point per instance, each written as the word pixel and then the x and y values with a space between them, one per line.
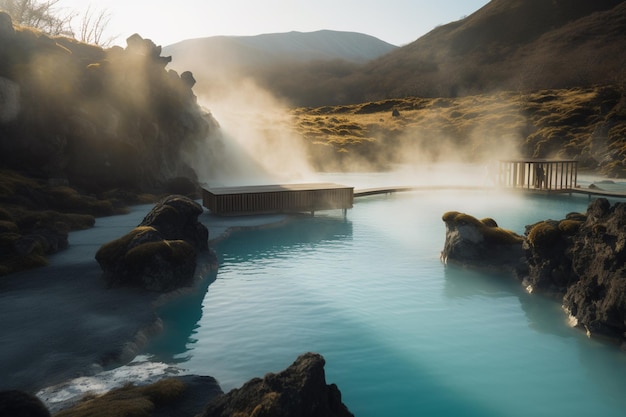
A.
pixel 160 253
pixel 480 243
pixel 95 118
pixel 583 259
pixel 580 260
pixel 298 391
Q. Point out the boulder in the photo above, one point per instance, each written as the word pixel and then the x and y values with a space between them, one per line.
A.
pixel 480 243
pixel 160 254
pixel 298 391
pixel 176 217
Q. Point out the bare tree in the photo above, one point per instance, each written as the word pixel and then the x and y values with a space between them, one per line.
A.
pixel 41 15
pixel 92 27
pixel 47 17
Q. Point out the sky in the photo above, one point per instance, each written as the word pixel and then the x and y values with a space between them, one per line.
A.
pixel 398 22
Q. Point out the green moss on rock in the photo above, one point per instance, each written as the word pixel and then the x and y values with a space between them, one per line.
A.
pixel 117 248
pixel 174 251
pixel 543 234
pixel 570 227
pixel 489 222
pixel 487 227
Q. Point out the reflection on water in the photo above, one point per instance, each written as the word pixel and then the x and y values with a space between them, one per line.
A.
pixel 402 334
pixel 303 232
pixel 181 316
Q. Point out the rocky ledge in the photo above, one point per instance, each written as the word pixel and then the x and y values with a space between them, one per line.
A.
pixel 580 260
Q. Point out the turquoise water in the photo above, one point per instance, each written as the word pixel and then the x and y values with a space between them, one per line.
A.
pixel 401 333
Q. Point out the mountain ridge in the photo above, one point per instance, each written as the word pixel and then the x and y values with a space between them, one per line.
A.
pixel 520 45
pixel 249 53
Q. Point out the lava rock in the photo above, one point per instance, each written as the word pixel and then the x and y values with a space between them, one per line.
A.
pixel 160 254
pixel 298 391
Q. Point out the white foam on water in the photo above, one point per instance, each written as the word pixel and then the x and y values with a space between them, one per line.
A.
pixel 141 371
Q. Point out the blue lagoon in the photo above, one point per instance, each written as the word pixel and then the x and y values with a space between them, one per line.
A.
pixel 402 334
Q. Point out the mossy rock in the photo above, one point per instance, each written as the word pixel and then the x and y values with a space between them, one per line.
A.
pixel 29 219
pixel 487 227
pixel 69 200
pixel 21 263
pixel 174 251
pixel 116 249
pixel 570 227
pixel 489 222
pixel 142 258
pixel 576 216
pixel 544 234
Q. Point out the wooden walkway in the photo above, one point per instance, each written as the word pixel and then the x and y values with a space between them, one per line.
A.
pixel 591 192
pixel 277 198
pixel 364 192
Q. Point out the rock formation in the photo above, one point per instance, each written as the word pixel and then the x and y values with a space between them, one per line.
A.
pixel 298 391
pixel 583 260
pixel 480 243
pixel 160 253
pixel 580 260
pixel 95 118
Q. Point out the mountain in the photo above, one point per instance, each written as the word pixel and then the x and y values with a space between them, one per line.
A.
pixel 519 45
pixel 507 44
pixel 220 56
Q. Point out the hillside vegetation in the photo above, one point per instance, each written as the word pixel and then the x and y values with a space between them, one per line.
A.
pixel 588 124
pixel 521 45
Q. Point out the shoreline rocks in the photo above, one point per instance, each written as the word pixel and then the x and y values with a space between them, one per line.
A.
pixel 298 390
pixel 579 260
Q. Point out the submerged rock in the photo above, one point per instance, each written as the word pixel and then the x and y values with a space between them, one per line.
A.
pixel 160 254
pixel 480 243
pixel 298 391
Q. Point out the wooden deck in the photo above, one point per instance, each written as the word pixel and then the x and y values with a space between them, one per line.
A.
pixel 277 198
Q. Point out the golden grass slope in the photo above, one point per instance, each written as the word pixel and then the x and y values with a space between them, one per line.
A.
pixel 588 124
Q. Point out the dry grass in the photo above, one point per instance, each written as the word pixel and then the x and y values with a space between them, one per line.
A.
pixel 549 123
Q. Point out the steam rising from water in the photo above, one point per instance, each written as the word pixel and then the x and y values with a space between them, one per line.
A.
pixel 255 144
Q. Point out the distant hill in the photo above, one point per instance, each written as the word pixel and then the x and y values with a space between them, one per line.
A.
pixel 213 58
pixel 507 44
pixel 291 46
pixel 519 45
